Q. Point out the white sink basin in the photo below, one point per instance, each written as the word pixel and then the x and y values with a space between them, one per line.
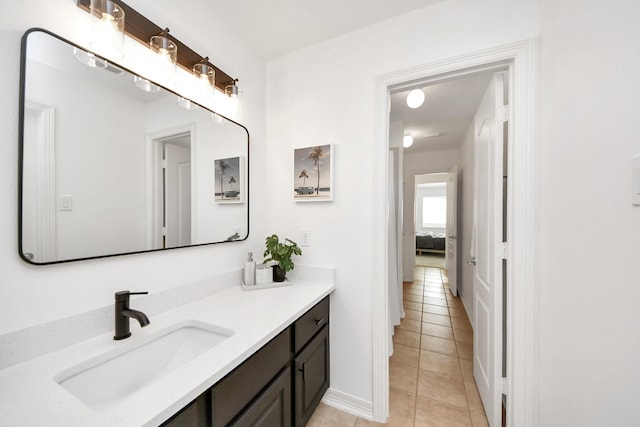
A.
pixel 104 381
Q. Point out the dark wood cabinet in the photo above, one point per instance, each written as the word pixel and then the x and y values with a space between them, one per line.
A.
pixel 238 389
pixel 311 367
pixel 195 414
pixel 272 408
pixel 310 324
pixel 280 385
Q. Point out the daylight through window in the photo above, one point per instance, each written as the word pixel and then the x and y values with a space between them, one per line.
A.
pixel 434 212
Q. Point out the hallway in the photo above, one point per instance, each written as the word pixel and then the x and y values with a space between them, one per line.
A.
pixel 430 373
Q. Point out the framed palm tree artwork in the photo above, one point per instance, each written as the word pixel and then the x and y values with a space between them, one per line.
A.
pixel 229 180
pixel 313 173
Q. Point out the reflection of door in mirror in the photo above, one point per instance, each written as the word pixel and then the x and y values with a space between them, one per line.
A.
pixel 171 173
pixel 39 219
pixel 177 192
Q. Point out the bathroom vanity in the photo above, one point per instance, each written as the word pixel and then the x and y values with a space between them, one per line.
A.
pixel 259 391
pixel 271 367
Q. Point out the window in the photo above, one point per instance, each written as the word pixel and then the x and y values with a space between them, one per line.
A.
pixel 434 212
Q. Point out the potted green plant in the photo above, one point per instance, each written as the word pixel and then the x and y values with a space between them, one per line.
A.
pixel 280 253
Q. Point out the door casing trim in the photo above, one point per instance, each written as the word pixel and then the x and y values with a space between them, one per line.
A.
pixel 522 214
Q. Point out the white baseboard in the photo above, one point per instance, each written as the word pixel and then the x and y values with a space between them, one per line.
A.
pixel 348 403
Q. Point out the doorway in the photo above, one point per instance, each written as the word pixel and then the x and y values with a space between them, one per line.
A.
pixel 452 111
pixel 170 189
pixel 430 219
pixel 520 59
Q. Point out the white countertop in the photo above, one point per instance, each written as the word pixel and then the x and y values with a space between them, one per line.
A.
pixel 29 395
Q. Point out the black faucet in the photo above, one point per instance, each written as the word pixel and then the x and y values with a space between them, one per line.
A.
pixel 123 313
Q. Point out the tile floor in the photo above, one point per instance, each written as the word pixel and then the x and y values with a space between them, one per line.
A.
pixel 430 373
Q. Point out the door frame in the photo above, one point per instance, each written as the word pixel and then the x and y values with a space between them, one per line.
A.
pixel 451 234
pixel 46 233
pixel 153 141
pixel 522 214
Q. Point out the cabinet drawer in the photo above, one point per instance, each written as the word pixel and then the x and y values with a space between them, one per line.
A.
pixel 236 390
pixel 310 323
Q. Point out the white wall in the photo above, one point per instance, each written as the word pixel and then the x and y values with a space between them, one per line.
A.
pixel 33 295
pixel 325 93
pixel 589 296
pixel 115 198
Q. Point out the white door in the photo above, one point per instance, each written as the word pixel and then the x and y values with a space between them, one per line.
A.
pixel 39 223
pixel 178 195
pixel 451 261
pixel 486 245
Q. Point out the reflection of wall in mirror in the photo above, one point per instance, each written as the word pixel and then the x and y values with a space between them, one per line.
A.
pixel 212 140
pixel 94 147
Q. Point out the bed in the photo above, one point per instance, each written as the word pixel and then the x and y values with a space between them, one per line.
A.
pixel 428 242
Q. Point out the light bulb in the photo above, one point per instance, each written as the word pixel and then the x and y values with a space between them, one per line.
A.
pixel 407 141
pixel 164 67
pixel 415 98
pixel 107 28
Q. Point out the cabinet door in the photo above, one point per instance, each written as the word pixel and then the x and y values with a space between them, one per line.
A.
pixel 272 408
pixel 311 376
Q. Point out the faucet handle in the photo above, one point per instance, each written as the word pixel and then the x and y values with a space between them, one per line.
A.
pixel 124 295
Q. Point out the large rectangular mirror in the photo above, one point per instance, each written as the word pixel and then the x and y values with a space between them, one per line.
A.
pixel 109 169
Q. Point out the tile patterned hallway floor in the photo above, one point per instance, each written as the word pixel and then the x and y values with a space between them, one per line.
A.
pixel 430 373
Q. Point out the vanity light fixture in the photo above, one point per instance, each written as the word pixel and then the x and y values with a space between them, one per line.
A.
pixel 107 28
pixel 204 72
pixel 145 85
pixel 88 58
pixel 187 104
pixel 143 30
pixel 415 98
pixel 167 54
pixel 232 89
pixel 407 141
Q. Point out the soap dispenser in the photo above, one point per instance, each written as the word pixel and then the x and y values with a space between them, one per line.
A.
pixel 250 271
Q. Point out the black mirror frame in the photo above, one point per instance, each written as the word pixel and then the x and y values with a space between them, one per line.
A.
pixel 21 114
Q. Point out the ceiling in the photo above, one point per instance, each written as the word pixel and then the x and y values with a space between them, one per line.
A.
pixel 275 27
pixel 441 122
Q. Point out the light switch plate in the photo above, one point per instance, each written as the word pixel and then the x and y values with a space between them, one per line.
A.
pixel 65 203
pixel 305 237
pixel 635 180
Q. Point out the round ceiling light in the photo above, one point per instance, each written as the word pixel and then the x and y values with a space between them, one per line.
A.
pixel 415 98
pixel 407 141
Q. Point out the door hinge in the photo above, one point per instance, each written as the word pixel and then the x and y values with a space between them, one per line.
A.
pixel 503 114
pixel 165 163
pixel 163 231
pixel 504 385
pixel 502 250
